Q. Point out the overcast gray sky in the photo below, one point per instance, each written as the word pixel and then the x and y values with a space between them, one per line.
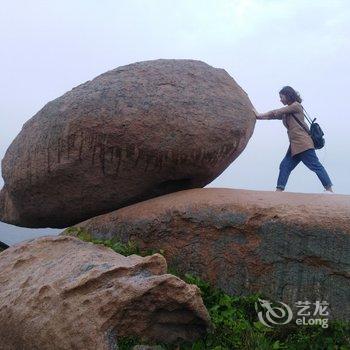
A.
pixel 48 47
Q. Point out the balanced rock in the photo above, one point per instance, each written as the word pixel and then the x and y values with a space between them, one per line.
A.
pixel 289 246
pixel 62 293
pixel 132 133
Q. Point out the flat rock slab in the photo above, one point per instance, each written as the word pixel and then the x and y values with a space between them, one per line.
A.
pixel 290 246
pixel 60 293
pixel 133 133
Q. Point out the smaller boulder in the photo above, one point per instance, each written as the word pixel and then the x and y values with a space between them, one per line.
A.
pixel 62 293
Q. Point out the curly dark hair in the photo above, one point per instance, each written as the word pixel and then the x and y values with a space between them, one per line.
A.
pixel 291 94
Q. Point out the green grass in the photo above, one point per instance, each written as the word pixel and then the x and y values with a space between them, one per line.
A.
pixel 234 318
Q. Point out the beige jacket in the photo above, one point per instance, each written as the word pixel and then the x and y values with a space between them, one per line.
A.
pixel 299 140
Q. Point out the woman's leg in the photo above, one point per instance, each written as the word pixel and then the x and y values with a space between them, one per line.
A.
pixel 310 159
pixel 287 165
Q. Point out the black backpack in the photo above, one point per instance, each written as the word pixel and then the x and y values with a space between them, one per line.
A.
pixel 315 132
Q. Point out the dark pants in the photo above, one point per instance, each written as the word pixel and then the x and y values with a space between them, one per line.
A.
pixel 309 158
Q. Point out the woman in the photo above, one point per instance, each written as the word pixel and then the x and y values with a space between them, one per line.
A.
pixel 301 146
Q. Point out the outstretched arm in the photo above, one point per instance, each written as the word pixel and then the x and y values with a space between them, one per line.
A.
pixel 266 115
pixel 295 107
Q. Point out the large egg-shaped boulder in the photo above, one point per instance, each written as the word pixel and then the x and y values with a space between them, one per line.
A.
pixel 133 133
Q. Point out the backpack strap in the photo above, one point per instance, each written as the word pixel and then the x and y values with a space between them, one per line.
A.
pixel 300 123
pixel 306 115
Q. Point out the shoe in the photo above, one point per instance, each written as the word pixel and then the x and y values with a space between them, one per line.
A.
pixel 327 192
